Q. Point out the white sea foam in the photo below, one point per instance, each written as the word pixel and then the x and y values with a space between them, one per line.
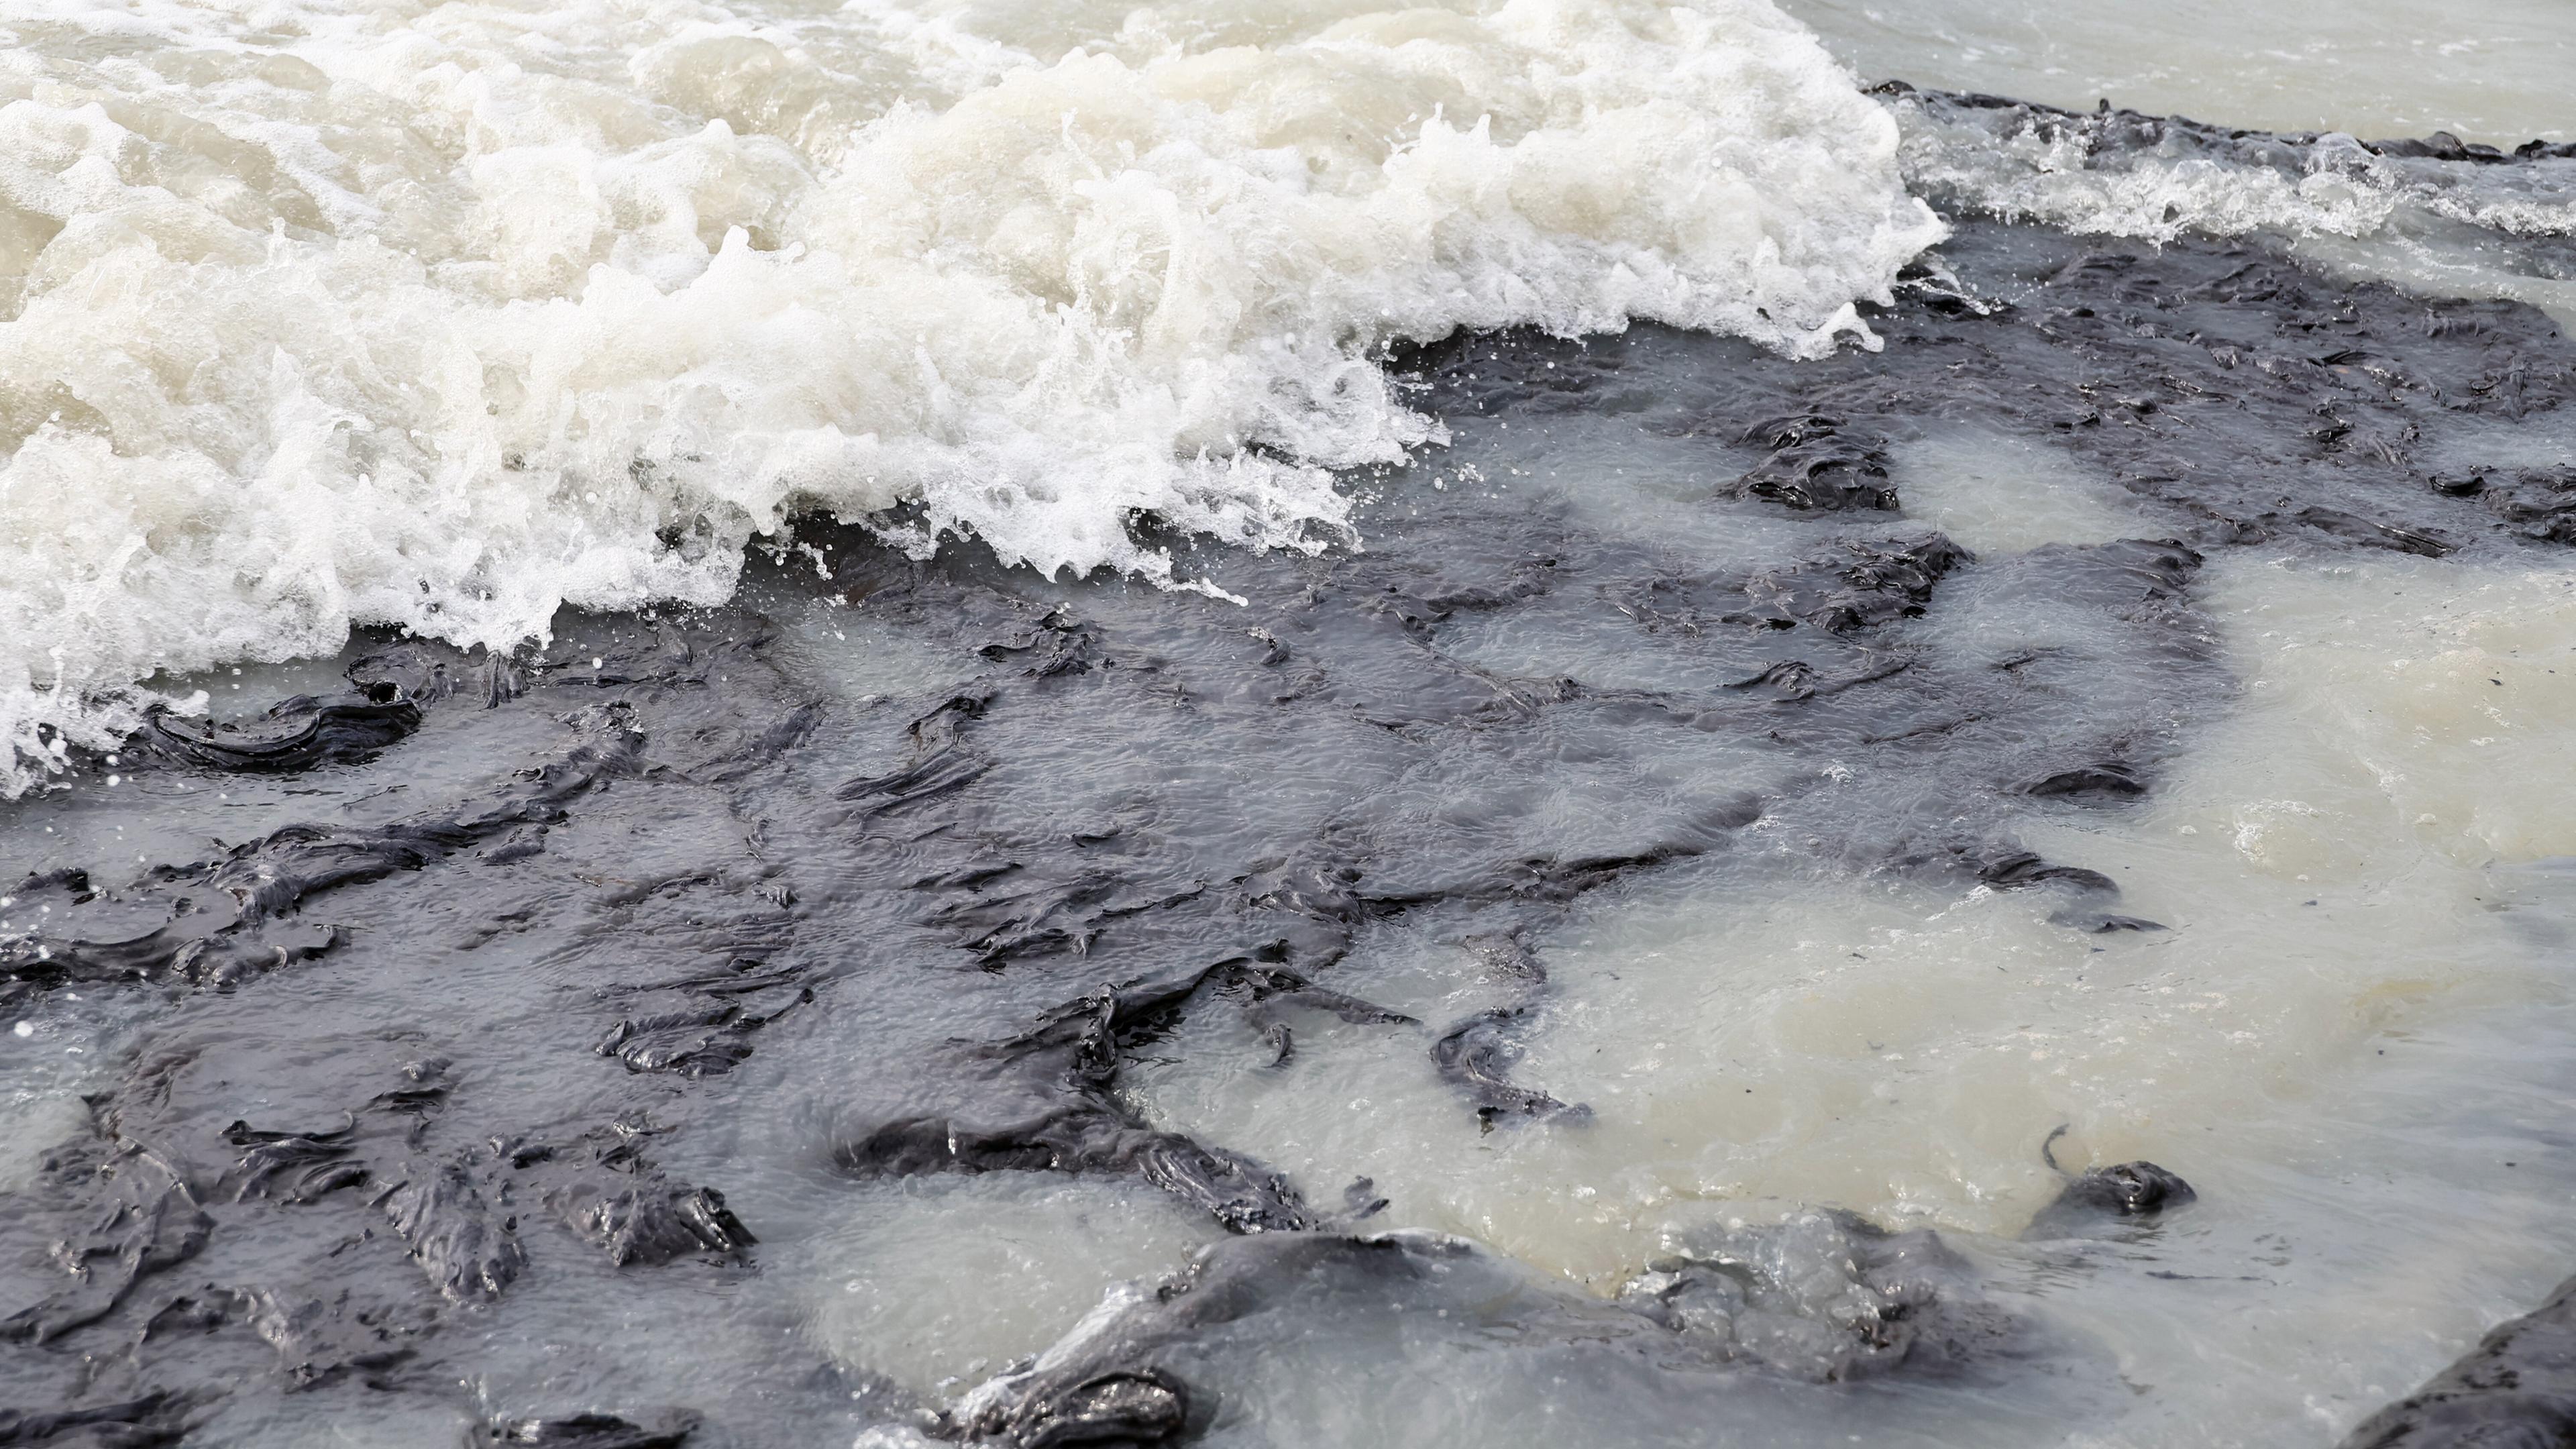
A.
pixel 446 315
pixel 2454 228
pixel 2037 167
pixel 2445 228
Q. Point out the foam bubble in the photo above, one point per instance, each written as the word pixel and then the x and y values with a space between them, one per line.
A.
pixel 2453 226
pixel 446 318
pixel 2161 178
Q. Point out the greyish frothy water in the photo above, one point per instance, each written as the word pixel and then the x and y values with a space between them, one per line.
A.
pixel 1519 724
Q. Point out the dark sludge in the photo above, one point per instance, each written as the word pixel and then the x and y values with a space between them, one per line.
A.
pixel 2124 1193
pixel 2517 1387
pixel 434 1072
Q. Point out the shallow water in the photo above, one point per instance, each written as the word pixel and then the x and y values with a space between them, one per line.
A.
pixel 2492 72
pixel 1751 1038
pixel 1104 824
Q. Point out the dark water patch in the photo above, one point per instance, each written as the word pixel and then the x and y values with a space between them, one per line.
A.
pixel 668 1430
pixel 295 734
pixel 2123 1193
pixel 518 1049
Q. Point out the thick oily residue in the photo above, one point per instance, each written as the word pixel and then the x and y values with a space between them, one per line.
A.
pixel 1610 962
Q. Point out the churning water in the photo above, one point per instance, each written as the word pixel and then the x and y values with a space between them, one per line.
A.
pixel 1280 725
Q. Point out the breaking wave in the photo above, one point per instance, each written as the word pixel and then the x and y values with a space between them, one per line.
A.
pixel 445 316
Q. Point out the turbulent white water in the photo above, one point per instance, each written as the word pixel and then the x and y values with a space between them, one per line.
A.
pixel 446 315
pixel 2445 228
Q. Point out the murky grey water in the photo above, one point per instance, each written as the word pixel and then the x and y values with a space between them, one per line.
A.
pixel 1607 874
pixel 1654 914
